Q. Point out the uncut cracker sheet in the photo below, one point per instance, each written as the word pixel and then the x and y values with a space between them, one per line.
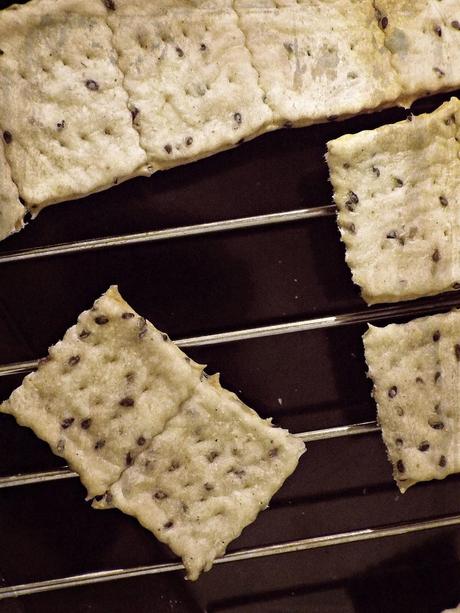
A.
pixel 210 472
pixel 415 368
pixel 104 391
pixel 192 88
pixel 318 59
pixel 397 190
pixel 62 105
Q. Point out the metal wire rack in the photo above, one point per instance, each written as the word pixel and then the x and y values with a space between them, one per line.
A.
pixel 346 319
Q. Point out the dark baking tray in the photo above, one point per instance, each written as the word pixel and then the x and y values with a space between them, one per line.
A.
pixel 306 380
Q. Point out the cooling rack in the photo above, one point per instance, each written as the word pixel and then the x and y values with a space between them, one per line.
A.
pixel 429 512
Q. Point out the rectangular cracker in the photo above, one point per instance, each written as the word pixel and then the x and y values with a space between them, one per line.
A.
pixel 11 210
pixel 104 391
pixel 210 472
pixel 62 103
pixel 318 59
pixel 397 190
pixel 415 368
pixel 423 37
pixel 191 85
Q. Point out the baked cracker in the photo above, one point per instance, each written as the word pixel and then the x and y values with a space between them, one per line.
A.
pixel 62 102
pixel 104 391
pixel 397 190
pixel 210 472
pixel 11 210
pixel 415 368
pixel 318 59
pixel 192 88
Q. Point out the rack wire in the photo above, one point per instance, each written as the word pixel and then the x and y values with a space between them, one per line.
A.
pixel 344 319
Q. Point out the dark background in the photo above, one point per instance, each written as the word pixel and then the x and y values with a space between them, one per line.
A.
pixel 306 381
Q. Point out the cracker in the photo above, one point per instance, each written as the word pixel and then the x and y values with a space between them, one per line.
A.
pixel 423 37
pixel 11 210
pixel 415 368
pixel 104 391
pixel 318 59
pixel 210 472
pixel 62 102
pixel 397 190
pixel 191 85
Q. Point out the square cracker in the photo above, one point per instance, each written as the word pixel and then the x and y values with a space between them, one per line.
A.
pixel 423 37
pixel 318 59
pixel 415 368
pixel 191 85
pixel 62 102
pixel 210 472
pixel 11 210
pixel 104 391
pixel 397 190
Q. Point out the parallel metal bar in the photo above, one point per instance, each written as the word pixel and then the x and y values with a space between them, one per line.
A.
pixel 328 540
pixel 308 437
pixel 346 319
pixel 169 233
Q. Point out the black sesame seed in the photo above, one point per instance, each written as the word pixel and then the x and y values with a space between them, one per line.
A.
pixel 92 85
pixel 129 459
pixel 67 422
pixel 424 446
pixel 203 47
pixel 346 165
pixel 443 200
pixel 134 112
pixel 84 334
pixel 60 125
pixel 399 442
pixel 437 30
pixel 73 361
pixel 164 337
pixel 127 315
pixel 126 402
pixel 352 201
pixel 141 441
pixel 398 182
pixel 189 141
pixel 437 425
pixel 439 72
pixel 455 24
pixel 436 336
pixel 168 148
pixel 392 391
pixel 400 466
pixel 179 52
pixel 384 23
pixel 237 117
pixel 437 376
pixel 86 423
pixel 457 352
pixel 99 444
pixel 212 456
pixel 7 137
pixel 436 256
pixel 110 4
pixel 168 524
pixel 101 320
pixel 442 461
pixel 160 495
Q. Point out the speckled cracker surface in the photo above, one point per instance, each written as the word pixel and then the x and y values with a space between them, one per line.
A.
pixel 192 88
pixel 423 37
pixel 397 190
pixel 11 210
pixel 415 368
pixel 318 59
pixel 62 102
pixel 104 391
pixel 207 475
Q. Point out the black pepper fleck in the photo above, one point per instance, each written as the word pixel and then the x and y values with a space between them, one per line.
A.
pixel 455 24
pixel 424 446
pixel 457 352
pixel 60 125
pixel 126 402
pixel 399 442
pixel 439 72
pixel 392 234
pixel 392 391
pixel 352 201
pixel 203 47
pixel 84 334
pixel 141 441
pixel 99 444
pixel 287 124
pixel 384 23
pixel 189 141
pixel 86 423
pixel 442 461
pixel 436 256
pixel 60 446
pixel 437 376
pixel 110 4
pixel 101 320
pixel 208 487
pixel 400 466
pixel 237 117
pixel 168 524
pixel 419 380
pixel 160 495
pixel 67 422
pixel 173 466
pixel 376 171
pixel 437 425
pixel 73 360
pixel 129 459
pixel 438 30
pixel 443 200
pixel 273 452
pixel 92 85
pixel 134 112
pixel 7 137
pixel 179 52
pixel 212 456
pixel 168 148
pixel 127 315
pixel 436 336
